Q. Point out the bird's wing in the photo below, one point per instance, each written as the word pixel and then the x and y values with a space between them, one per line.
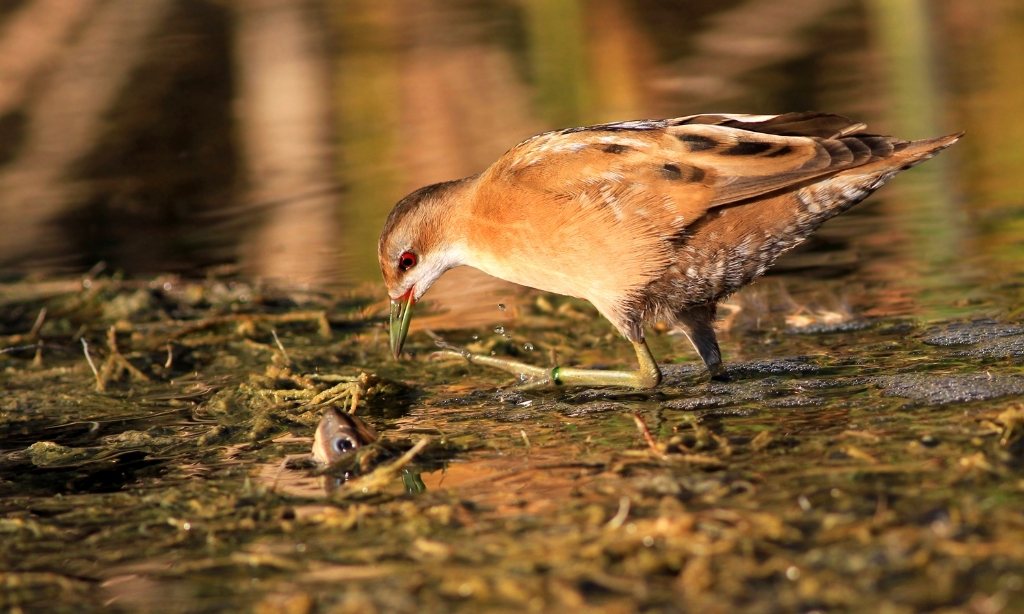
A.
pixel 673 171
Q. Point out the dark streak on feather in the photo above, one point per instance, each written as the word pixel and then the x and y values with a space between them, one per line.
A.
pixel 747 148
pixel 697 142
pixel 616 149
pixel 672 172
pixel 785 150
pixel 685 172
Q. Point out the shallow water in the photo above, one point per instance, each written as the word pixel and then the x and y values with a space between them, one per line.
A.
pixel 866 465
pixel 865 456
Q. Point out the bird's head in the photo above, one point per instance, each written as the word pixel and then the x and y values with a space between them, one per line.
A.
pixel 416 247
pixel 339 433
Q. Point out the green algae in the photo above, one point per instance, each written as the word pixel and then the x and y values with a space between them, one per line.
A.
pixel 847 469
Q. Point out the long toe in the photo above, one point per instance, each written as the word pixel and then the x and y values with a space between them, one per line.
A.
pixel 526 375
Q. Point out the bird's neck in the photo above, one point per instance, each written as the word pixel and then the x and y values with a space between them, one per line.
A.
pixel 450 217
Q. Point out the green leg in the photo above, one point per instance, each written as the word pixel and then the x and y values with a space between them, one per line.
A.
pixel 530 376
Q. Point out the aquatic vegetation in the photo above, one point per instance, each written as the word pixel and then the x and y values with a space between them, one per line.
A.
pixel 842 469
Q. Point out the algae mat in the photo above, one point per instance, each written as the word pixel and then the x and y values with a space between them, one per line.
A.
pixel 154 438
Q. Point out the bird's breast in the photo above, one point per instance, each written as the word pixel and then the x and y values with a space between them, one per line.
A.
pixel 542 246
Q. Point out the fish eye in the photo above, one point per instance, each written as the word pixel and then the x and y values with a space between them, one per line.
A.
pixel 344 444
pixel 406 261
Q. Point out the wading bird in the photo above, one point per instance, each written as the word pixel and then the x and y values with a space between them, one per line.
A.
pixel 648 220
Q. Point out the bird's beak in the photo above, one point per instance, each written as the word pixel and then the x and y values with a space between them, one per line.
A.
pixel 401 315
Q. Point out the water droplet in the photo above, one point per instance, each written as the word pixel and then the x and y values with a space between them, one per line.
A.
pixel 805 503
pixel 493 353
pixel 508 336
pixel 475 337
pixel 501 306
pixel 528 346
pixel 500 330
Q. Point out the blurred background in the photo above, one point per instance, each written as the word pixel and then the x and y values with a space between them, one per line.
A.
pixel 270 138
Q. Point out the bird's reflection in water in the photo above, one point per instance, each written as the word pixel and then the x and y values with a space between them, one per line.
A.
pixel 341 434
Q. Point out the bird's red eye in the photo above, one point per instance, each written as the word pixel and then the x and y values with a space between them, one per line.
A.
pixel 406 261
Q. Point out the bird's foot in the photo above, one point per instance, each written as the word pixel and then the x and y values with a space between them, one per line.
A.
pixel 530 376
pixel 718 372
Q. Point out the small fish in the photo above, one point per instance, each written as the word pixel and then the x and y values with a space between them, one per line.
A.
pixel 338 434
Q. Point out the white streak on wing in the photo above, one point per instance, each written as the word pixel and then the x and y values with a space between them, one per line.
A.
pixel 618 140
pixel 748 119
pixel 611 201
pixel 639 124
pixel 576 146
pixel 852 192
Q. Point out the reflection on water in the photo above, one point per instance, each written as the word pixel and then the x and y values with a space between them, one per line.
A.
pixel 277 135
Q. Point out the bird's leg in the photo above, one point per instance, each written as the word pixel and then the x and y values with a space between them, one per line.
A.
pixel 647 376
pixel 530 376
pixel 697 325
